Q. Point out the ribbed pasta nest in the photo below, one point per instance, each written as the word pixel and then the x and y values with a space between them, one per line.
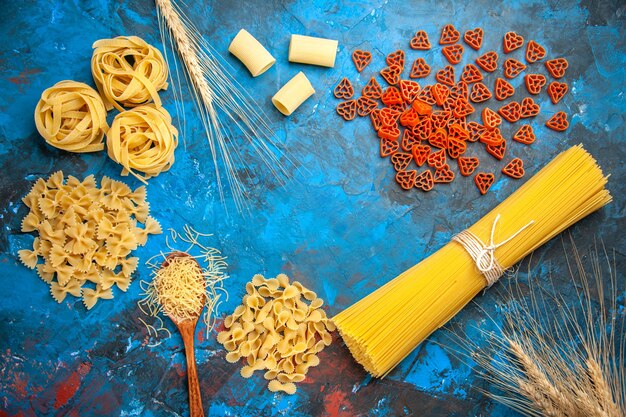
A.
pixel 85 235
pixel 128 71
pixel 279 327
pixel 143 139
pixel 71 116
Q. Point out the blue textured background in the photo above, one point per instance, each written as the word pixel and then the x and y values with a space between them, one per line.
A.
pixel 342 227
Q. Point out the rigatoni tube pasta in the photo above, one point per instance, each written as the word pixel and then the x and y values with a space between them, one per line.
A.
pixel 293 94
pixel 384 327
pixel 313 51
pixel 251 53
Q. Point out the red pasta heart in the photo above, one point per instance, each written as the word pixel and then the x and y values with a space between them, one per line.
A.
pixel 361 59
pixel 467 165
pixel 488 61
pixel 484 181
pixel 409 140
pixel 389 132
pixel 372 89
pixel 490 118
pixel 492 137
pixel 437 159
pixel 444 175
pixel 497 151
pixel 504 89
pixel 347 109
pixel 420 154
pixel 420 41
pixel 449 35
pixel 474 38
pixel 512 41
pixel 445 75
pixel 471 74
pixel 456 147
pixel 391 95
pixel 409 118
pixel 480 93
pixel 409 90
pixel 440 93
pixel 475 131
pixel 511 112
pixel 525 135
pixel 534 51
pixel 344 89
pixel 388 147
pixel 528 108
pixel 513 68
pixel 556 67
pixel 401 160
pixel 439 138
pixel 425 181
pixel 534 82
pixel 391 74
pixel 453 53
pixel 406 179
pixel 558 122
pixel 396 58
pixel 514 169
pixel 556 91
pixel 365 106
pixel 420 69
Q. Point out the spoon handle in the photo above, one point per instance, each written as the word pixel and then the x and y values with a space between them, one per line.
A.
pixel 187 330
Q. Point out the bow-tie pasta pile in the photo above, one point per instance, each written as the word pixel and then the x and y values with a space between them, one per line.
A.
pixel 279 327
pixel 85 235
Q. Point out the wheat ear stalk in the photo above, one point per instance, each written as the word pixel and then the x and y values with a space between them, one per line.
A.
pixel 601 389
pixel 557 404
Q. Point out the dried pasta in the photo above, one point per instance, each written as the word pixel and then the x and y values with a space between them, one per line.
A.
pixel 251 53
pixel 314 51
pixel 143 139
pixel 185 285
pixel 71 116
pixel 85 234
pixel 128 72
pixel 293 94
pixel 280 328
pixel 384 327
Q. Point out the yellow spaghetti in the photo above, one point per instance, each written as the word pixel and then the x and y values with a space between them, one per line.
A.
pixel 384 327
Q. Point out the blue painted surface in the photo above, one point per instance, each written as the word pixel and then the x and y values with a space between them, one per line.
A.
pixel 342 226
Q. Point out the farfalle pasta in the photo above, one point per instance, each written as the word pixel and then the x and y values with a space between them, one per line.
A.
pixel 280 328
pixel 85 234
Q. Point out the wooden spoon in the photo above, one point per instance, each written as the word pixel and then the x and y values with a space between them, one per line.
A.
pixel 187 329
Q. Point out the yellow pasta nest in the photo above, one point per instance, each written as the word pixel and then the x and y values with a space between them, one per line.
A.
pixel 128 71
pixel 143 139
pixel 71 116
pixel 85 235
pixel 279 327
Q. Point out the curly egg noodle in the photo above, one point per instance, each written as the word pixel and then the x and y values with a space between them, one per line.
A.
pixel 143 139
pixel 71 116
pixel 128 72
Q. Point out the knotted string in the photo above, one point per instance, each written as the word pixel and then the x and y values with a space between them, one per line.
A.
pixel 484 255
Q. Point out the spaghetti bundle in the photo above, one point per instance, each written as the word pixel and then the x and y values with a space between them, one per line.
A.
pixel 384 327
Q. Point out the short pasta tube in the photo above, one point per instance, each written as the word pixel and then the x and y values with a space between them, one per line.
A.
pixel 251 53
pixel 313 51
pixel 293 94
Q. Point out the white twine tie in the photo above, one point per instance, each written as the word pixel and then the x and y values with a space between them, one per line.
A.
pixel 484 255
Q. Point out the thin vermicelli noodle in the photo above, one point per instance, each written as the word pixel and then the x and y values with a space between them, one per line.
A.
pixel 179 288
pixel 384 327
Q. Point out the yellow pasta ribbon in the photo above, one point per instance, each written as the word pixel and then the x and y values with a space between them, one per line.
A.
pixel 143 139
pixel 128 72
pixel 71 116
